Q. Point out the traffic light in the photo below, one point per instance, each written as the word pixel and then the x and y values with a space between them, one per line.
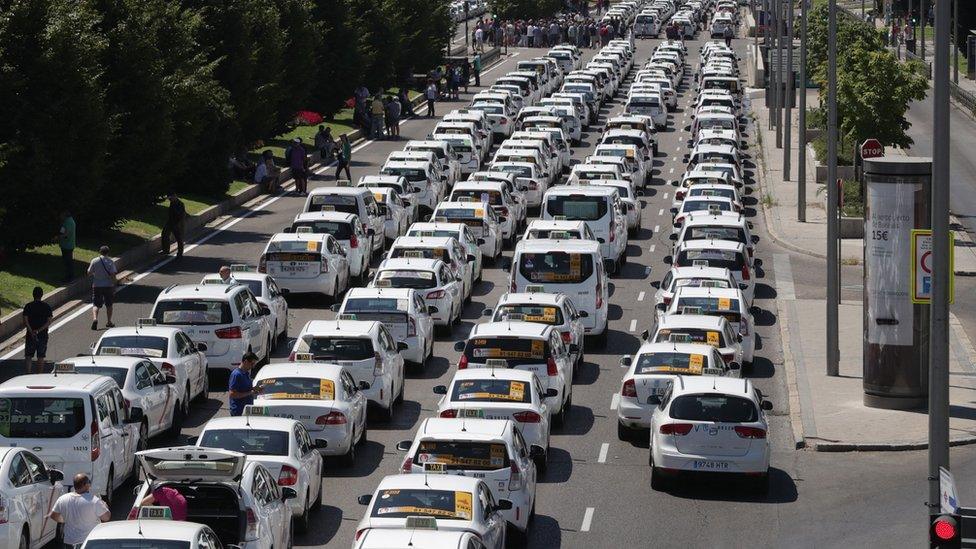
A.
pixel 945 532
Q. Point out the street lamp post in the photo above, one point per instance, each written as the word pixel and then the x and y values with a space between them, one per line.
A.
pixel 833 255
pixel 955 41
pixel 923 17
pixel 777 90
pixel 801 159
pixel 939 319
pixel 790 94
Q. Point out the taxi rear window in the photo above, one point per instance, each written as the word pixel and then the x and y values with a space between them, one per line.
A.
pixel 690 335
pixel 468 216
pixel 38 417
pixel 543 314
pixel 117 374
pixel 492 197
pixel 192 312
pixel 410 174
pixel 714 408
pixel 359 304
pixel 713 306
pixel 544 233
pixel 336 202
pixel 580 207
pixel 136 544
pixel 340 348
pixel 442 504
pixel 253 442
pixel 136 345
pixel 418 280
pixel 491 390
pixel 734 234
pixel 671 363
pixel 338 229
pixel 556 267
pixel 732 261
pixel 726 193
pixel 705 205
pixel 514 350
pixel 296 388
pixel 461 455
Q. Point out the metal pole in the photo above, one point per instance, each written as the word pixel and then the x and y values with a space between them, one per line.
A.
pixel 833 281
pixel 767 4
pixel 778 91
pixel 755 36
pixel 923 17
pixel 862 10
pixel 955 41
pixel 939 322
pixel 801 158
pixel 911 25
pixel 790 94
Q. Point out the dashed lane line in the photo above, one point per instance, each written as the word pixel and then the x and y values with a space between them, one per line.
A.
pixel 587 520
pixel 604 449
pixel 633 325
pixel 640 296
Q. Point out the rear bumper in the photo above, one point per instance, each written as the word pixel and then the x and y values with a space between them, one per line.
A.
pixel 633 415
pixel 753 462
pixel 338 439
pixel 322 284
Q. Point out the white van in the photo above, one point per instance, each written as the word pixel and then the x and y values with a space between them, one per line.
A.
pixel 55 416
pixel 571 267
pixel 603 212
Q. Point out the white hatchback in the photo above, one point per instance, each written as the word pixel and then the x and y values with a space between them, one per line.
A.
pixel 28 490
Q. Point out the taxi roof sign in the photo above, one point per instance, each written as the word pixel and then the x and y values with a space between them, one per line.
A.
pixel 383 284
pixel 691 310
pixel 421 523
pixel 496 363
pixel 559 218
pixel 252 410
pixel 413 254
pixel 559 235
pixel 155 512
pixel 535 289
pixel 304 357
pixel 212 281
pixel 347 316
pixel 242 268
pixel 145 322
pixel 303 230
pixel 64 367
pixel 699 263
pixel 343 183
pixel 112 351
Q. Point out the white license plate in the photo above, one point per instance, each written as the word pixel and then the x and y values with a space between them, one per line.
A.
pixel 292 269
pixel 709 465
pixel 480 414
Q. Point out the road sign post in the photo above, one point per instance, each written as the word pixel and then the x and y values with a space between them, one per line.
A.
pixel 923 267
pixel 871 148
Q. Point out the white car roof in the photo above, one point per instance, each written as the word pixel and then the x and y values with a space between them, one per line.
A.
pixel 366 180
pixel 556 225
pixel 253 422
pixel 500 373
pixel 720 273
pixel 109 361
pixel 430 241
pixel 510 328
pixel 712 384
pixel 409 264
pixel 340 327
pixel 325 216
pixel 710 244
pixel 676 322
pixel 151 331
pixel 203 291
pixel 146 530
pixel 725 219
pixel 540 298
pixel 431 482
pixel 78 383
pixel 477 185
pixel 398 293
pixel 668 347
pixel 690 291
pixel 314 369
pixel 460 428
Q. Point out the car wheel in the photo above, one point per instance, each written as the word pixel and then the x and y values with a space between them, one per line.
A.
pixel 204 393
pixel 362 434
pixel 274 338
pixel 24 541
pixel 110 488
pixel 390 413
pixel 624 433
pixel 560 419
pixel 658 482
pixel 317 504
pixel 302 522
pixel 177 423
pixel 349 458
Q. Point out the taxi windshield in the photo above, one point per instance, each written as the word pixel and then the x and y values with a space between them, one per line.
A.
pixel 515 351
pixel 491 390
pixel 695 282
pixel 705 205
pixel 410 174
pixel 449 455
pixel 136 345
pixel 192 312
pixel 442 504
pixel 418 280
pixel 363 304
pixel 117 374
pixel 254 442
pixel 690 335
pixel 340 348
pixel 520 171
pixel 713 306
pixel 714 408
pixel 668 363
pixel 546 314
pixel 338 229
pixel 580 207
pixel 698 191
pixel 556 267
pixel 296 388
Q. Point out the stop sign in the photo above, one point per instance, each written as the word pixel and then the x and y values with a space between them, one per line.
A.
pixel 871 148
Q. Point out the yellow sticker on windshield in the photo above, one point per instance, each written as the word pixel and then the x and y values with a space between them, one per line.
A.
pixel 326 389
pixel 479 212
pixel 312 246
pixel 538 347
pixel 543 314
pixel 378 197
pixel 462 505
pixel 516 390
pixel 724 303
pixel 696 363
pixel 713 339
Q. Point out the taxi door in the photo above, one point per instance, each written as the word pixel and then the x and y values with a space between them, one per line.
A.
pixel 278 304
pixel 193 363
pixel 130 441
pixel 311 462
pixel 25 497
pixel 338 261
pixel 156 396
pixel 494 523
pixel 252 323
pixel 356 398
pixel 44 494
pixel 113 440
pixel 274 513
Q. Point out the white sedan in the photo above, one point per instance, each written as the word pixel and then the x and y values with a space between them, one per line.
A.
pixel 323 397
pixel 267 292
pixel 28 490
pixel 283 446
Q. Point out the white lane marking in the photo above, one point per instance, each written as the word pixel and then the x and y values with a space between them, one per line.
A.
pixel 671 170
pixel 633 325
pixel 640 296
pixel 587 520
pixel 615 401
pixel 653 247
pixel 678 150
pixel 499 64
pixel 657 228
pixel 666 194
pixel 660 212
pixel 604 449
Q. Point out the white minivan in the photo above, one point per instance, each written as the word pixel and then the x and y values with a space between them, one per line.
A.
pixel 571 267
pixel 76 423
pixel 603 212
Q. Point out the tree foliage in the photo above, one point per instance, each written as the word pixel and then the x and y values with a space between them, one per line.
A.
pixel 524 9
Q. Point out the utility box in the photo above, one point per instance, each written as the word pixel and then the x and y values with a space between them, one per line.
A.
pixel 898 197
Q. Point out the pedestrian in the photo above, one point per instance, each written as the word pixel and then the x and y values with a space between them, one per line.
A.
pixel 175 224
pixel 727 34
pixel 266 174
pixel 240 388
pixel 362 94
pixel 226 277
pixel 165 496
pixel 376 118
pixel 479 38
pixel 324 143
pixel 66 241
pixel 431 95
pixel 343 157
pixel 465 74
pixel 454 83
pixel 477 70
pixel 102 271
pixel 37 317
pixel 297 161
pixel 393 112
pixel 406 106
pixel 79 511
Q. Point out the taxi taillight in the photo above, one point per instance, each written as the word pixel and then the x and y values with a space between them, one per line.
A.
pixel 96 441
pixel 567 337
pixel 407 467
pixel 629 389
pixel 463 362
pixel 288 476
pixel 527 416
pixel 678 429
pixel 750 432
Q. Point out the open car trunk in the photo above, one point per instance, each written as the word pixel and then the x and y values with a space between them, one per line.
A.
pixel 216 505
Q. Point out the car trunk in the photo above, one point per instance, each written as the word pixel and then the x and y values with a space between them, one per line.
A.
pixel 216 505
pixel 294 264
pixel 299 410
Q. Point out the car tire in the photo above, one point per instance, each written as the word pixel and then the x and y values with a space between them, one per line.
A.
pixel 560 419
pixel 362 434
pixel 349 458
pixel 658 482
pixel 390 414
pixel 515 538
pixel 179 416
pixel 109 488
pixel 204 393
pixel 624 433
pixel 302 522
pixel 24 540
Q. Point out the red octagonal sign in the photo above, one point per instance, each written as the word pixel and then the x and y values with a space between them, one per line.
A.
pixel 871 148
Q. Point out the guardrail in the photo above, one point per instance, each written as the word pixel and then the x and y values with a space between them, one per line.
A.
pixel 965 98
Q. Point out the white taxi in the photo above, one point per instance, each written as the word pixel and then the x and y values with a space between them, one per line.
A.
pixel 536 348
pixel 266 291
pixel 497 393
pixel 710 425
pixel 418 532
pixel 709 330
pixel 442 290
pixel 28 490
pixel 694 205
pixel 405 190
pixel 532 177
pixel 324 397
pixel 155 529
pixel 348 231
pixel 718 253
pixel 454 502
pixel 448 250
pixel 544 228
pixel 554 309
pixel 367 351
pixel 509 208
pixel 724 302
pixel 694 277
pixel 403 312
pixel 649 374
pixel 489 449
pixel 306 262
pixel 459 231
pixel 282 445
pixel 396 216
pixel 629 198
pixel 160 396
pixel 481 220
pixel 170 349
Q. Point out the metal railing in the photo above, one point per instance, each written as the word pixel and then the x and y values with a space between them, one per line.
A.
pixel 965 98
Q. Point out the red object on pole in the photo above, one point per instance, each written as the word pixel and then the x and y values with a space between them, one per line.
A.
pixel 871 148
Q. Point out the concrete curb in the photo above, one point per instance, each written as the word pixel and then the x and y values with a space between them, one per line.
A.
pixel 885 447
pixel 792 389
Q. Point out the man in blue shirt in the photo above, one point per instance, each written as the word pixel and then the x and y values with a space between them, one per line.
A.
pixel 241 390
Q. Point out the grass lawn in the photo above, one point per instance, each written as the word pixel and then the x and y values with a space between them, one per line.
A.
pixel 42 266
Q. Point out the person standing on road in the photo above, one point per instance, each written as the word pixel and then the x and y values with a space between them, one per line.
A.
pixel 405 105
pixel 343 157
pixel 728 34
pixel 175 223
pixel 79 511
pixel 376 118
pixel 240 388
pixel 431 94
pixel 102 270
pixel 297 162
pixel 479 38
pixel 37 318
pixel 66 241
pixel 393 111
pixel 465 74
pixel 324 143
pixel 477 70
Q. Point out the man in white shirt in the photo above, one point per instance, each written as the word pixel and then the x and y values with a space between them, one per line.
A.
pixel 80 511
pixel 225 276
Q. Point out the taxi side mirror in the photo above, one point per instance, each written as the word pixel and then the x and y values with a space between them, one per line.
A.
pixel 661 307
pixel 656 284
pixel 320 444
pixel 735 366
pixel 404 445
pixel 459 346
pixel 673 236
pixel 136 415
pixel 626 361
pixel 674 183
pixel 743 286
pixel 645 335
pixel 537 452
pixel 551 393
pixel 335 307
pixel 370 232
pixel 673 210
pixel 364 499
pixel 601 241
pixel 584 314
pixel 574 348
pixel 265 310
pixel 170 380
pixel 402 346
pixel 432 309
pixel 440 389
pixel 363 385
pixel 55 476
pixel 766 405
pixel 192 441
pixel 738 337
pixel 507 267
pixel 471 258
pixel 481 241
pixel 288 493
pixel 202 347
pixel 503 505
pixel 288 229
pixel 487 312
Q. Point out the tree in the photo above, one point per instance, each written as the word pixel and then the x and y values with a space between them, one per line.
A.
pixel 377 42
pixel 55 130
pixel 301 69
pixel 423 28
pixel 339 57
pixel 851 33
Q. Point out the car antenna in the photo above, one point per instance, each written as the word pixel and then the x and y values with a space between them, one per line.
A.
pixel 425 481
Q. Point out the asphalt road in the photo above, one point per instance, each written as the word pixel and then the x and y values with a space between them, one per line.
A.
pixel 596 491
